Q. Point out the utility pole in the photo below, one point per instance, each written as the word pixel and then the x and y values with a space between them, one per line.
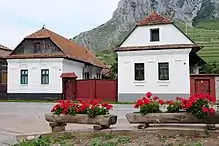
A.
pixel 186 27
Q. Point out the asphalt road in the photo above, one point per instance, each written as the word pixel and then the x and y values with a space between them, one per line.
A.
pixel 28 118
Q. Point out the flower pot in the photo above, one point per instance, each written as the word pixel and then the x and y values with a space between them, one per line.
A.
pixel 176 118
pixel 60 121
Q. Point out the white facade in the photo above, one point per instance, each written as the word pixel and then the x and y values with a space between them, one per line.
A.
pixel 56 67
pixel 179 76
pixel 169 34
pixel 178 83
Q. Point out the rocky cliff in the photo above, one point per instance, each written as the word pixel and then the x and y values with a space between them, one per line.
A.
pixel 129 12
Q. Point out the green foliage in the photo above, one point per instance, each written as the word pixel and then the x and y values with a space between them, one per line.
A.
pixel 34 142
pixel 150 108
pixel 174 108
pixel 124 140
pixel 92 112
pixel 210 68
pixel 196 108
pixel 46 141
pixel 98 142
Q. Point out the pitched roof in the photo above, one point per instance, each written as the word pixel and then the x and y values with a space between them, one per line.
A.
pixel 159 47
pixel 4 51
pixel 70 49
pixel 154 18
pixel 68 75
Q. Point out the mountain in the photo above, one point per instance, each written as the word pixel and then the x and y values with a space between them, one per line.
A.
pixel 203 14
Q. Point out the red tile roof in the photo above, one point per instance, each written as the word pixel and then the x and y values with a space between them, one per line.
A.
pixel 71 50
pixel 4 51
pixel 159 47
pixel 68 75
pixel 154 18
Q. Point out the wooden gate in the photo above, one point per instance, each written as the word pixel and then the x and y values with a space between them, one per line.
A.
pixel 69 86
pixel 202 83
pixel 202 86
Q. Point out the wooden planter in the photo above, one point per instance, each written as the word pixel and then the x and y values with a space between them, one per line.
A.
pixel 174 118
pixel 58 122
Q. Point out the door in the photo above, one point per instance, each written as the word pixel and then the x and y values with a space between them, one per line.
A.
pixel 202 86
pixel 69 89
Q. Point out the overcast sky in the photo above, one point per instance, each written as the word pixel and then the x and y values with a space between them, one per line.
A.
pixel 66 17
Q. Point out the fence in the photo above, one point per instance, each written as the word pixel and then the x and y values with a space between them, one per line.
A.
pixel 104 90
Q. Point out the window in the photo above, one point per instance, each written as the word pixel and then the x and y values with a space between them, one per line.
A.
pixel 44 76
pixel 139 71
pixel 24 76
pixel 155 35
pixel 36 47
pixel 163 71
pixel 86 75
pixel 98 76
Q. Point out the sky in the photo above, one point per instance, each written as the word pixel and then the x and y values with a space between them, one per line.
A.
pixel 65 17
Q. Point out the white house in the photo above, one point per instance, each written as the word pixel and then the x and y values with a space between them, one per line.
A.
pixel 157 57
pixel 44 64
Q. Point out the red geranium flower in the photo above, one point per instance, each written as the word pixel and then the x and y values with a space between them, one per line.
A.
pixel 155 97
pixel 148 94
pixel 212 111
pixel 205 109
pixel 161 102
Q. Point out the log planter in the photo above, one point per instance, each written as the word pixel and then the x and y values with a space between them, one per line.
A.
pixel 58 122
pixel 174 118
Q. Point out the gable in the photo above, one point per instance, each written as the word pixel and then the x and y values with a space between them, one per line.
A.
pixel 168 34
pixel 36 46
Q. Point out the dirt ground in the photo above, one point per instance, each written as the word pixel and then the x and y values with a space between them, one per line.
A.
pixel 124 138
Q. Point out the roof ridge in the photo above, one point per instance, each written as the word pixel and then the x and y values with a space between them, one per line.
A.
pixel 4 48
pixel 154 18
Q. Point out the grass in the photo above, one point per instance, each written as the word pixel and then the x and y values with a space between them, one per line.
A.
pixel 110 139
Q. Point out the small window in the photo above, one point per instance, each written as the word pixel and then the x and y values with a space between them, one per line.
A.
pixel 98 76
pixel 24 76
pixel 44 76
pixel 86 75
pixel 163 71
pixel 36 47
pixel 139 71
pixel 155 35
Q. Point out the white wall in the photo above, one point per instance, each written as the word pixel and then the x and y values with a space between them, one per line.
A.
pixel 169 34
pixel 179 78
pixel 72 66
pixel 34 67
pixel 56 67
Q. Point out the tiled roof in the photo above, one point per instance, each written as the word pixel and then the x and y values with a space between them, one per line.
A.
pixel 159 47
pixel 70 49
pixel 69 75
pixel 154 18
pixel 4 51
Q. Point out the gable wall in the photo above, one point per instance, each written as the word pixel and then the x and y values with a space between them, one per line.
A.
pixel 28 47
pixel 169 34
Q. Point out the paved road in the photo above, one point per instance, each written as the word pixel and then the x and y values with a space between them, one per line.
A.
pixel 28 118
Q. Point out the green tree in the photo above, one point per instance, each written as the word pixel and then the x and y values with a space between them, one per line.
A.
pixel 210 68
